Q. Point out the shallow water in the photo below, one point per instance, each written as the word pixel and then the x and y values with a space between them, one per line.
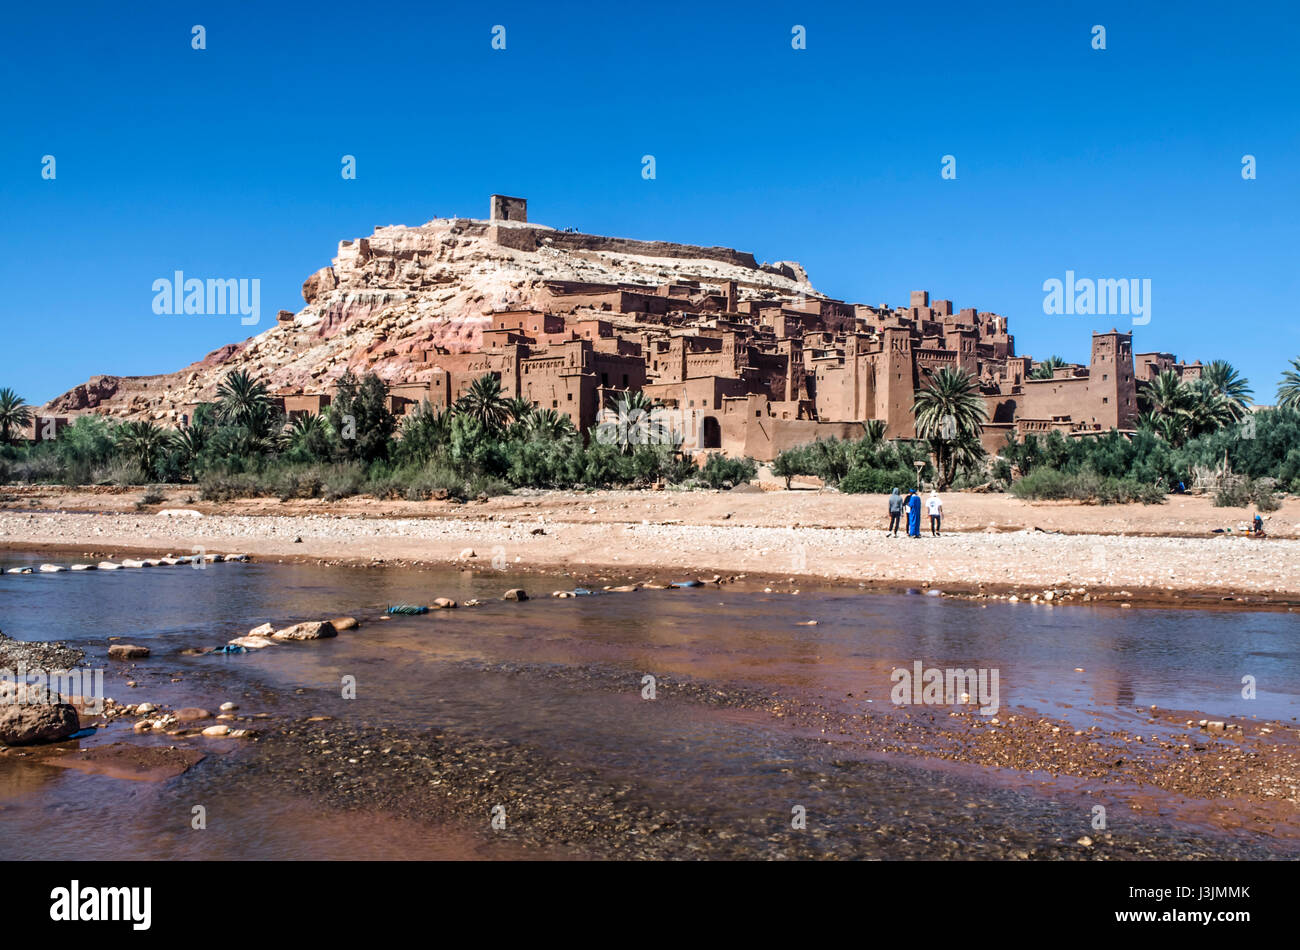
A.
pixel 564 679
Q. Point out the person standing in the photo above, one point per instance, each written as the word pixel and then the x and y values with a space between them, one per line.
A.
pixel 935 507
pixel 913 514
pixel 895 512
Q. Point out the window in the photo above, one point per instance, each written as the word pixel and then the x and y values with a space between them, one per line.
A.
pixel 554 404
pixel 570 397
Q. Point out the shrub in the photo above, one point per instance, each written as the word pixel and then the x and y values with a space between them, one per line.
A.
pixel 722 472
pixel 876 480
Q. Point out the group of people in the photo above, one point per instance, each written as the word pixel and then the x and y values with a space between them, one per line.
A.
pixel 912 505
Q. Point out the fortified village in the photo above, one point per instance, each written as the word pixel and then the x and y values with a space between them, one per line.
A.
pixel 751 358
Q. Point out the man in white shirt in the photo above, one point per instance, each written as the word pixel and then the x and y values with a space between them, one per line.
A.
pixel 935 507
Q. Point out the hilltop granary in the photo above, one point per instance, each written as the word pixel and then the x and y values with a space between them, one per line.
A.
pixel 749 357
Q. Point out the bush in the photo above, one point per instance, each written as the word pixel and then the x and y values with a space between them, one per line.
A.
pixel 225 486
pixel 1050 484
pixel 722 472
pixel 876 481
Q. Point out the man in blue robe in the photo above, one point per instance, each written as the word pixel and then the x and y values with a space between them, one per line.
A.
pixel 913 515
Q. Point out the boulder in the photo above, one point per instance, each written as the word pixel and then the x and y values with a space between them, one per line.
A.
pixel 311 630
pixel 515 593
pixel 192 714
pixel 443 603
pixel 82 567
pixel 127 651
pixel 265 630
pixel 251 642
pixel 31 714
pixel 51 568
pixel 344 623
pixel 109 566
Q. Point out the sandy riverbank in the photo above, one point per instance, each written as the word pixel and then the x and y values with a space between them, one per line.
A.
pixel 995 542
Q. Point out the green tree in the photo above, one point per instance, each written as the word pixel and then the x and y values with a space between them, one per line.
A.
pixel 1221 377
pixel 483 403
pixel 14 415
pixel 1288 393
pixel 1047 368
pixel 950 415
pixel 244 401
pixel 548 424
pixel 363 424
pixel 144 442
pixel 424 433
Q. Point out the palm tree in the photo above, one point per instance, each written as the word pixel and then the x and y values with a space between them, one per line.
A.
pixel 1288 393
pixel 1209 408
pixel 483 403
pixel 632 419
pixel 244 401
pixel 950 414
pixel 519 408
pixel 1047 368
pixel 1166 395
pixel 14 414
pixel 1221 377
pixel 143 440
pixel 874 431
pixel 549 425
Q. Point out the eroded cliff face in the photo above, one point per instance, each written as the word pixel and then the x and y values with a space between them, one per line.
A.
pixel 403 290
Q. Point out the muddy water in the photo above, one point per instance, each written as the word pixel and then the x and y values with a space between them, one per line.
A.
pixel 539 708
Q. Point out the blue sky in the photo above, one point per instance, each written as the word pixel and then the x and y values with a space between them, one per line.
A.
pixel 226 162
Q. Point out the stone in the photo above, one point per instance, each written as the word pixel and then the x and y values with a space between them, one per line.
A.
pixel 82 567
pixel 443 603
pixel 515 593
pixel 109 566
pixel 310 630
pixel 344 623
pixel 192 714
pixel 127 651
pixel 144 725
pixel 227 707
pixel 216 731
pixel 30 715
pixel 467 554
pixel 144 709
pixel 263 630
pixel 50 569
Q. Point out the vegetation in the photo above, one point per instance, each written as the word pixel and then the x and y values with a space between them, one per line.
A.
pixel 950 414
pixel 241 445
pixel 1047 368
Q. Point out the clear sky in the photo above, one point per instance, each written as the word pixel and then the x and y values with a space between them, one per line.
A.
pixel 225 162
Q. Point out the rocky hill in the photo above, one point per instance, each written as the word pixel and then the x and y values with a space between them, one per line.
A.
pixel 403 290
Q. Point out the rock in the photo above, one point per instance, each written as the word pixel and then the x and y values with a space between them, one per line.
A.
pixel 145 708
pixel 109 566
pixel 264 630
pixel 144 725
pixel 192 714
pixel 515 593
pixel 1213 726
pixel 217 731
pixel 127 651
pixel 50 569
pixel 311 630
pixel 31 714
pixel 443 603
pixel 19 570
pixel 1085 841
pixel 344 623
pixel 466 554
pixel 473 602
pixel 82 567
pixel 227 707
pixel 128 562
pixel 625 589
